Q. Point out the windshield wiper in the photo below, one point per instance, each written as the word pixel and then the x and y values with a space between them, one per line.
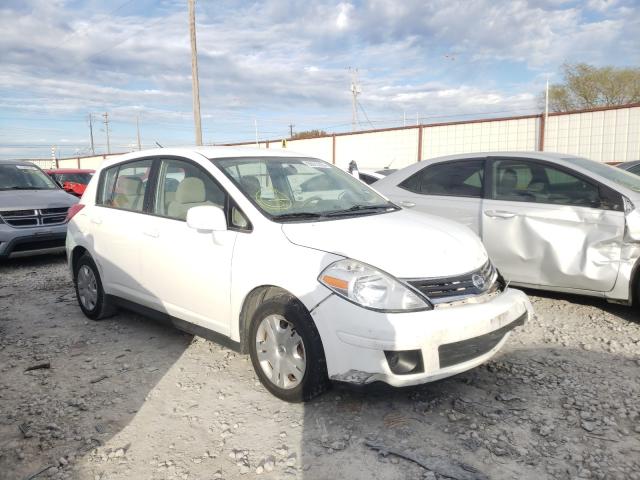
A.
pixel 298 215
pixel 361 208
pixel 16 187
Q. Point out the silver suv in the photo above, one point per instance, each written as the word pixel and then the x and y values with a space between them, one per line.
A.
pixel 33 210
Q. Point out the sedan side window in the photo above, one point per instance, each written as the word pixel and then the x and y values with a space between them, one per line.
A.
pixel 124 186
pixel 525 181
pixel 458 179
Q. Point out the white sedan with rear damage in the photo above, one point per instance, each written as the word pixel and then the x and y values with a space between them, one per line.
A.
pixel 292 260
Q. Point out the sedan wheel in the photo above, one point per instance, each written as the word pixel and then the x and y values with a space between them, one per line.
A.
pixel 286 349
pixel 92 299
pixel 87 288
pixel 281 352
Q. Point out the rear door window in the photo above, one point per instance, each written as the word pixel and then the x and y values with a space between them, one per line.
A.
pixel 462 178
pixel 124 186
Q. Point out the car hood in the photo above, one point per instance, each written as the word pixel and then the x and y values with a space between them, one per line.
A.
pixel 405 244
pixel 32 199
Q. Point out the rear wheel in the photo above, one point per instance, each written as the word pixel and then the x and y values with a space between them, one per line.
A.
pixel 286 350
pixel 93 302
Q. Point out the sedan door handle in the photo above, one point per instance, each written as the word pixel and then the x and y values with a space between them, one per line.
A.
pixel 499 214
pixel 151 233
pixel 404 203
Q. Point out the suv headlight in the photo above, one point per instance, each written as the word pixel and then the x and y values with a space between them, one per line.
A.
pixel 370 288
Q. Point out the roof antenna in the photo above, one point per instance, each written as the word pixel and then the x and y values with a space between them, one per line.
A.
pixel 159 145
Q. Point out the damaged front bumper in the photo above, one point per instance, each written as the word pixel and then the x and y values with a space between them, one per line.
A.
pixel 402 349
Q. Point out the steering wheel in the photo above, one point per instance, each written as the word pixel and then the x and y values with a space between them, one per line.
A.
pixel 310 200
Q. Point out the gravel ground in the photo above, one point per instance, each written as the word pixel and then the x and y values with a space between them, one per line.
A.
pixel 128 398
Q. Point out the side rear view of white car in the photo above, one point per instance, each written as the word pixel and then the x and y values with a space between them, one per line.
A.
pixel 333 284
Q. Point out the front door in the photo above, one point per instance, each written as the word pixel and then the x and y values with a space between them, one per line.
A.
pixel 187 270
pixel 545 225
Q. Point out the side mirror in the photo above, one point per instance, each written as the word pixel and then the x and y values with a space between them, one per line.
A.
pixel 207 218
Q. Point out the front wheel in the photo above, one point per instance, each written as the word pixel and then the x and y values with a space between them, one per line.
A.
pixel 286 350
pixel 93 302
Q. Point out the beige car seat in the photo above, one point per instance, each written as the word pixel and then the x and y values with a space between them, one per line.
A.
pixel 190 193
pixel 129 193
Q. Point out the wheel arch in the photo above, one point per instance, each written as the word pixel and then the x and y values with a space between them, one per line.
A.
pixel 250 304
pixel 77 252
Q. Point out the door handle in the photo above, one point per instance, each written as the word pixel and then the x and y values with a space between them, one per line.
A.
pixel 499 214
pixel 151 233
pixel 96 220
pixel 404 203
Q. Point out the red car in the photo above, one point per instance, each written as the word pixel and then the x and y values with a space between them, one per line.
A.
pixel 72 180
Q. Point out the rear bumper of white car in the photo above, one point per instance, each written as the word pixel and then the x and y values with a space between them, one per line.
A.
pixel 363 346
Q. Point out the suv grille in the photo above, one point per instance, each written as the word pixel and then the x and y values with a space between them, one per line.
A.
pixel 34 218
pixel 451 289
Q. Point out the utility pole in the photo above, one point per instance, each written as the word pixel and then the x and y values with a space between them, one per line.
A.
pixel 255 125
pixel 138 131
pixel 546 101
pixel 355 91
pixel 93 149
pixel 291 125
pixel 195 84
pixel 106 129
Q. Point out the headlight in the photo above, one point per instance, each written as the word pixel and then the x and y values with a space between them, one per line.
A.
pixel 370 288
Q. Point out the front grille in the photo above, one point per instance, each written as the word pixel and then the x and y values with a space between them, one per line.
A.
pixel 17 213
pixel 465 350
pixel 449 289
pixel 34 218
pixel 54 211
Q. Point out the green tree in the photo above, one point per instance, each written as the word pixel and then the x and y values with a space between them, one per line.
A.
pixel 586 86
pixel 308 134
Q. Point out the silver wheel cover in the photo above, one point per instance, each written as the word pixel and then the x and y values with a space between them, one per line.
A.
pixel 281 352
pixel 87 288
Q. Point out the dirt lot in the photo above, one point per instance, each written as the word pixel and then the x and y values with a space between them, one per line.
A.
pixel 127 398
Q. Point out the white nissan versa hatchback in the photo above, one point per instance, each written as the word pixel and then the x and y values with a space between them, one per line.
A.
pixel 326 283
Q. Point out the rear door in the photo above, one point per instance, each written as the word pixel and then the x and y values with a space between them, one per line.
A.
pixel 546 225
pixel 451 189
pixel 116 226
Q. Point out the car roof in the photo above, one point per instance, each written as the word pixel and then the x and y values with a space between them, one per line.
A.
pixel 209 152
pixel 17 162
pixel 628 165
pixel 69 170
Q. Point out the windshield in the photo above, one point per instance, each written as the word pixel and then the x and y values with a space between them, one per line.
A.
pixel 288 189
pixel 616 175
pixel 24 177
pixel 82 178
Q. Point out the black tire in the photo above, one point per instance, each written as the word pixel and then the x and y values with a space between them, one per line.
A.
pixel 103 306
pixel 315 380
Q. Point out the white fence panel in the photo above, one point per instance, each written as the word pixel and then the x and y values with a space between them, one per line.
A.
pixel 377 150
pixel 605 135
pixel 321 148
pixel 515 134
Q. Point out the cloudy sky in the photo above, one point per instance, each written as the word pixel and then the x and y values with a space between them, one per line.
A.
pixel 278 63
